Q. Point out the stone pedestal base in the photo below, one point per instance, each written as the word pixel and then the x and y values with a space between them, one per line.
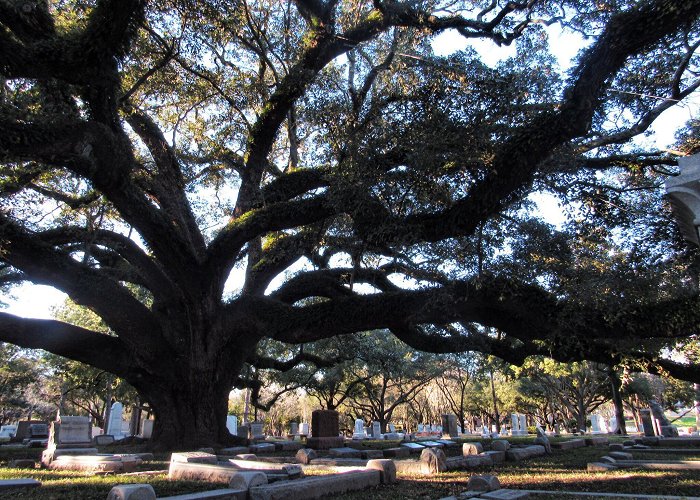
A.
pixel 324 443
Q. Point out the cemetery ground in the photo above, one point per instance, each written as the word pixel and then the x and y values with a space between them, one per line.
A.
pixel 564 470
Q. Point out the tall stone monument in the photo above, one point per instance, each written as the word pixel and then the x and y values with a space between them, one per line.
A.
pixel 324 430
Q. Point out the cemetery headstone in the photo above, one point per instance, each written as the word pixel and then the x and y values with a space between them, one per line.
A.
pixel 324 430
pixel 304 428
pixel 449 425
pixel 376 430
pixel 232 424
pixel 421 427
pixel 523 425
pixel 647 422
pixel 242 431
pixel 256 430
pixel 294 429
pixel 114 426
pixel 68 433
pixel 146 428
pixel 359 432
pixel 22 429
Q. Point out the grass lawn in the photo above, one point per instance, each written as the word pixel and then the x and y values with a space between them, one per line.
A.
pixel 564 470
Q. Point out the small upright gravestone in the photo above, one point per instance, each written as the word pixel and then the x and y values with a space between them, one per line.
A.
pixel 256 430
pixel 114 426
pixel 294 429
pixel 359 432
pixel 376 430
pixel 324 430
pixel 449 426
pixel 232 424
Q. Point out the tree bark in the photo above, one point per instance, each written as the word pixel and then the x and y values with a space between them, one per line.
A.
pixel 616 384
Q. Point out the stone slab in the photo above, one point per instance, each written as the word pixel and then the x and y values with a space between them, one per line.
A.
pixel 570 444
pixel 469 462
pixel 192 471
pixel 293 470
pixel 316 487
pixel 194 457
pixel 324 443
pixel 400 452
pixel 288 445
pixel 372 454
pixel 234 450
pixel 339 462
pixel 11 484
pixel 497 457
pixel 658 465
pixel 414 448
pixel 599 467
pixel 597 441
pixel 412 467
pixel 504 494
pixel 345 453
pixel 262 448
pixel 222 494
pixel 432 444
pixel 517 454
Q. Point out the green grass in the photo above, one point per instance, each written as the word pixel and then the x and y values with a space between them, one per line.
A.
pixel 564 470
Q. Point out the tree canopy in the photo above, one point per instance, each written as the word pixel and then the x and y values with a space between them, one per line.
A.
pixel 206 175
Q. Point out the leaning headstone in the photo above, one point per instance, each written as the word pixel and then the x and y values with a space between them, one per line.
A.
pixel 386 468
pixel 500 445
pixel 543 440
pixel 647 422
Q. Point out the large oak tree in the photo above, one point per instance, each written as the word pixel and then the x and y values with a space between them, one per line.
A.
pixel 206 175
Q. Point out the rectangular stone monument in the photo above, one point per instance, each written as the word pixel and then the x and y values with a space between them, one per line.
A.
pixel 72 432
pixel 359 432
pixel 523 425
pixel 232 424
pixel 256 430
pixel 22 431
pixel 243 431
pixel 595 424
pixel 324 430
pixel 294 429
pixel 647 422
pixel 376 430
pixel 449 425
pixel 147 428
pixel 304 428
pixel 114 426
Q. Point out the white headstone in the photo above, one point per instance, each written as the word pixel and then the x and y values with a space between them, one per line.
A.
pixel 392 428
pixel 304 428
pixel 8 431
pixel 613 424
pixel 595 426
pixel 376 430
pixel 114 426
pixel 359 432
pixel 523 425
pixel 515 424
pixel 421 427
pixel 232 424
pixel 147 428
pixel 74 431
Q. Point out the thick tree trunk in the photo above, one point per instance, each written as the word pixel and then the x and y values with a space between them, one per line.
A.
pixel 188 418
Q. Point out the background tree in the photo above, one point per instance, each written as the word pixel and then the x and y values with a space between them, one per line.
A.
pixel 205 175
